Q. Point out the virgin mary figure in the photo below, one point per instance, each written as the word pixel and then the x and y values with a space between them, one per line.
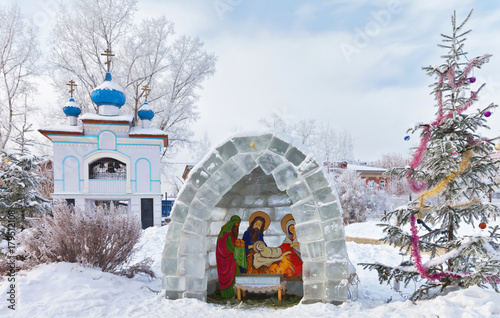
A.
pixel 291 245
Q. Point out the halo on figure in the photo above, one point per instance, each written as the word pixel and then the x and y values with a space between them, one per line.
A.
pixel 285 222
pixel 263 215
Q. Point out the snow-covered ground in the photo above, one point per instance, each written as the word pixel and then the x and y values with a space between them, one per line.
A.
pixel 69 290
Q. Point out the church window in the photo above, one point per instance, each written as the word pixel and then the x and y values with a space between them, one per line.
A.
pixel 107 168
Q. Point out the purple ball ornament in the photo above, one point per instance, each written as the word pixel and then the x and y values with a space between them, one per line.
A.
pixel 487 114
pixel 472 79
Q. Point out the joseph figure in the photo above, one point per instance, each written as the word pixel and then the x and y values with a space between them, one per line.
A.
pixel 227 256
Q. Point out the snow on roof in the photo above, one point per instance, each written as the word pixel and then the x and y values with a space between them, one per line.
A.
pixel 63 128
pixel 109 85
pixel 364 168
pixel 126 117
pixel 147 131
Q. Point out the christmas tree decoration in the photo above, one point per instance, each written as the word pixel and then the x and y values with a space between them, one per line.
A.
pixel 482 225
pixel 451 171
pixel 407 138
pixel 445 182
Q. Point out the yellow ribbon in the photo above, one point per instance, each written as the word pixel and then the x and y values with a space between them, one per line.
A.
pixel 441 185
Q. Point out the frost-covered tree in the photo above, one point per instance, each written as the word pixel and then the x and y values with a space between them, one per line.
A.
pixel 355 197
pixel 19 195
pixel 334 146
pixel 451 172
pixel 326 142
pixel 146 53
pixel 19 57
pixel 305 130
pixel 201 147
pixel 395 186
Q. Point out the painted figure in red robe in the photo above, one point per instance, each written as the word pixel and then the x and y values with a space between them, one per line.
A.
pixel 227 255
pixel 290 244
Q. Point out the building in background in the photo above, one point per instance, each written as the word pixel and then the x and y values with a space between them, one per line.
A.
pixel 374 177
pixel 106 158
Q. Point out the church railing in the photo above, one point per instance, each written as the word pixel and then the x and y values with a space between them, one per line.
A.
pixel 110 186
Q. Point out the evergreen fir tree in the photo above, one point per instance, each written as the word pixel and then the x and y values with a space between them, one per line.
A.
pixel 19 182
pixel 452 173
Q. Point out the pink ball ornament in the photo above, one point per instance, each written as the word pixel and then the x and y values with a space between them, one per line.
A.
pixel 487 114
pixel 472 79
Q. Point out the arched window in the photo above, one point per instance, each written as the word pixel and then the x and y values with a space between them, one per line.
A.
pixel 107 168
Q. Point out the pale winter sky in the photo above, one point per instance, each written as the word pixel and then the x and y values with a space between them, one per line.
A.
pixel 355 64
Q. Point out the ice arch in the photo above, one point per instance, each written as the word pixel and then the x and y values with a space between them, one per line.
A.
pixel 266 171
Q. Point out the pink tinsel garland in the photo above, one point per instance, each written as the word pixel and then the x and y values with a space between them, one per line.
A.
pixel 426 134
pixel 418 258
pixel 415 245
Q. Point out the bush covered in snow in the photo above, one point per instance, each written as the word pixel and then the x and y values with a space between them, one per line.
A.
pixel 98 237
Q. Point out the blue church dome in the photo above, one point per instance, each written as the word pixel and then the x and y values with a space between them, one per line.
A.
pixel 72 108
pixel 108 93
pixel 145 112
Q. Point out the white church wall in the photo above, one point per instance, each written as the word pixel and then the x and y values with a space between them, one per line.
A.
pixel 68 163
pixel 71 174
pixel 107 140
pixel 142 176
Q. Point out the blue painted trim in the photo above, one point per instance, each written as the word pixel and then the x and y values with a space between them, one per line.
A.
pixel 58 179
pixel 99 141
pixel 159 136
pixel 141 145
pixel 106 124
pixel 64 181
pixel 106 150
pixel 74 142
pixel 150 185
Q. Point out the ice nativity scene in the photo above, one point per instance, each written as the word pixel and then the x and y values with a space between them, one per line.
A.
pixel 258 214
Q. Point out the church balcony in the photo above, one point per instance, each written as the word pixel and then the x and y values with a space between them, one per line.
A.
pixel 108 186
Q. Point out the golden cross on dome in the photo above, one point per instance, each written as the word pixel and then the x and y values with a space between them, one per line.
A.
pixel 146 90
pixel 71 85
pixel 108 54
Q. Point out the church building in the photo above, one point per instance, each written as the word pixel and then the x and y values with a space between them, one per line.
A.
pixel 107 157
